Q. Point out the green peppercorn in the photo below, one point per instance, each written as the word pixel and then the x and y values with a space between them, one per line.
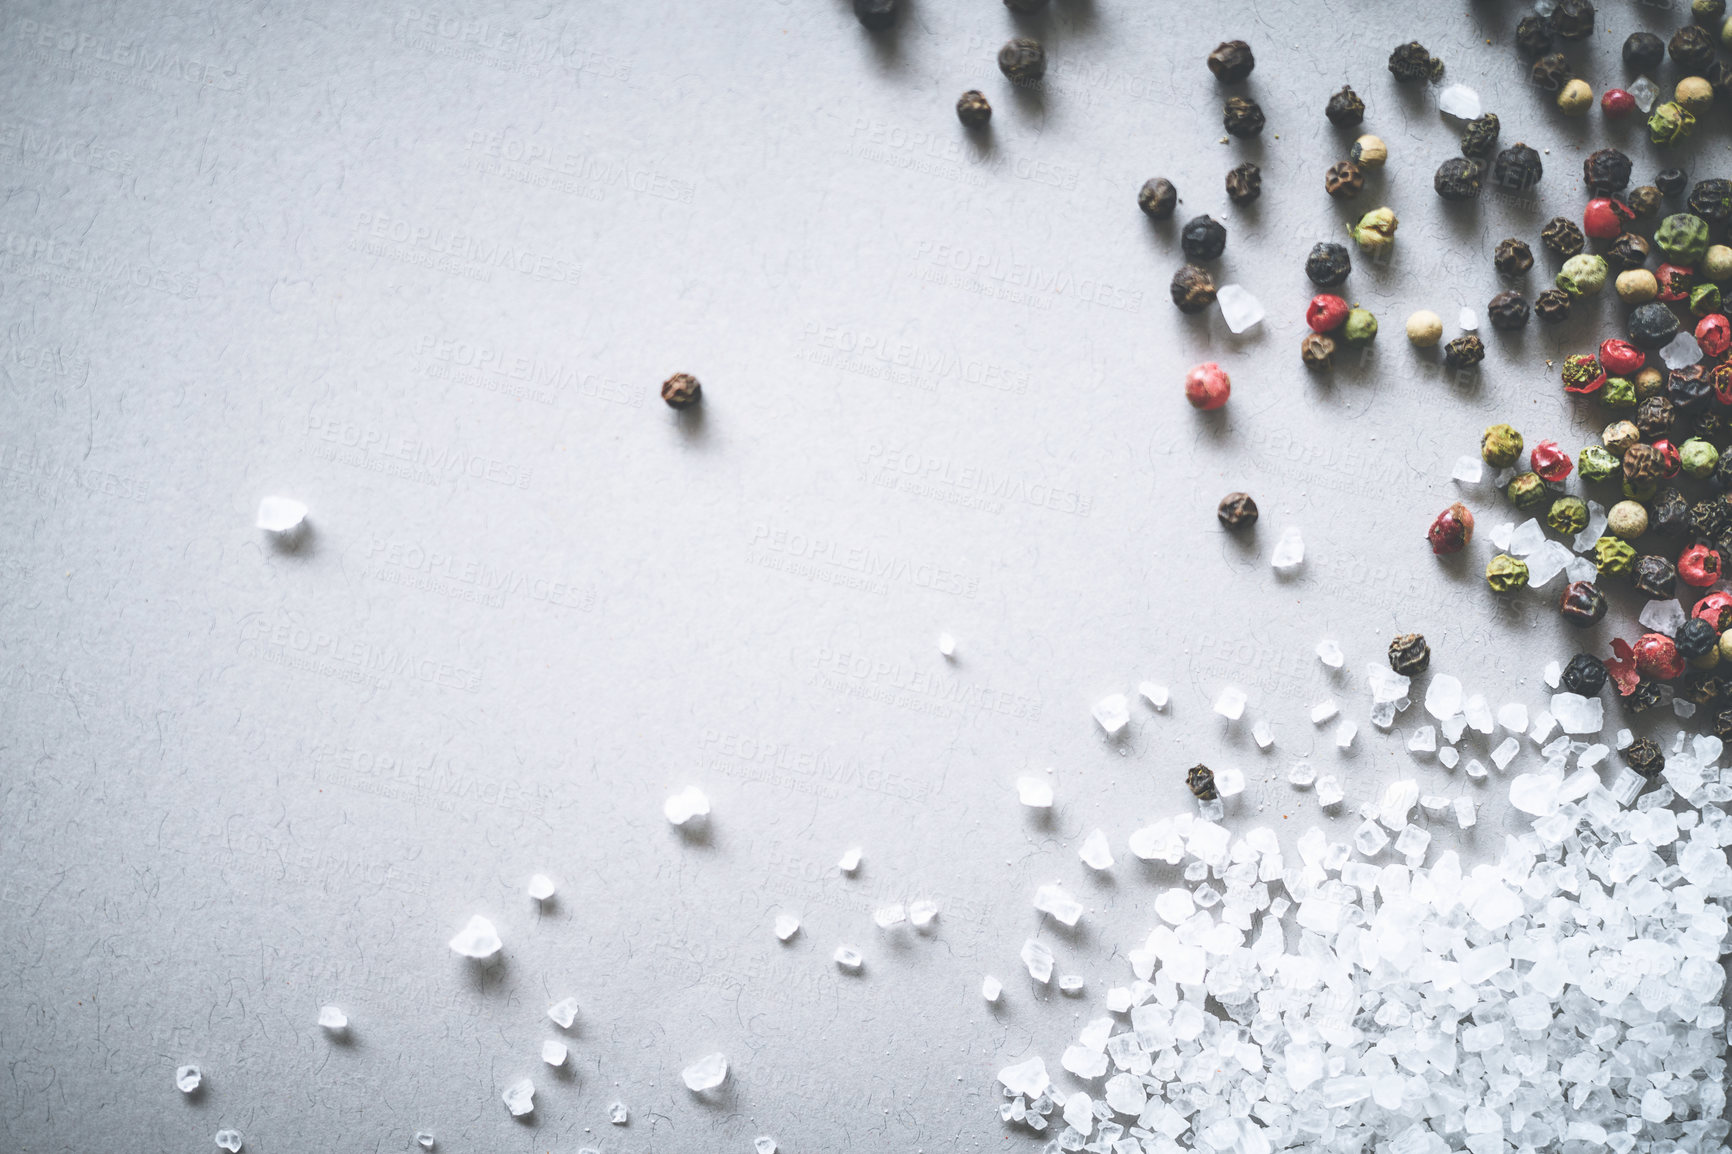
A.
pixel 1627 520
pixel 1583 275
pixel 1618 393
pixel 1683 237
pixel 1613 555
pixel 1506 574
pixel 1568 516
pixel 1705 299
pixel 1375 230
pixel 1500 446
pixel 1669 123
pixel 1526 490
pixel 1697 457
pixel 1361 327
pixel 1596 463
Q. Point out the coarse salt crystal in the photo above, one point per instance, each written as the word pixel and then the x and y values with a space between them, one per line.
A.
pixel 1034 792
pixel 1113 713
pixel 1239 308
pixel 1329 653
pixel 1230 703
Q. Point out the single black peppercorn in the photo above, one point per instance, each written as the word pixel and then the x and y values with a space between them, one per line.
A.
pixel 1643 52
pixel 1582 604
pixel 1712 200
pixel 1412 62
pixel 1193 289
pixel 1464 352
pixel 1694 639
pixel 1573 19
pixel 1480 136
pixel 1722 478
pixel 1606 171
pixel 1691 48
pixel 1550 73
pixel 1317 351
pixel 1237 511
pixel 1562 236
pixel 875 14
pixel 1652 325
pixel 1723 725
pixel 1645 201
pixel 1409 655
pixel 1584 676
pixel 1241 117
pixel 1654 577
pixel 1669 513
pixel 1343 181
pixel 1629 251
pixel 1023 61
pixel 973 109
pixel 1203 238
pixel 1508 311
pixel 1232 61
pixel 1643 755
pixel 1671 181
pixel 1719 77
pixel 1157 198
pixel 1710 426
pixel 1201 780
pixel 1328 264
pixel 1517 168
pixel 1552 306
pixel 1533 37
pixel 1654 416
pixel 1513 257
pixel 1345 109
pixel 681 391
pixel 1644 697
pixel 1701 686
pixel 1709 519
pixel 1244 184
pixel 1689 389
pixel 1457 179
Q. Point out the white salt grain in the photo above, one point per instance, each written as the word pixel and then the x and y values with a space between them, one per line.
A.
pixel 478 939
pixel 332 1018
pixel 706 1073
pixel 540 887
pixel 1448 757
pixel 1289 551
pixel 1513 717
pixel 1663 616
pixel 1096 851
pixel 563 1013
pixel 1239 308
pixel 1229 782
pixel 1301 775
pixel 850 859
pixel 1467 318
pixel 1443 697
pixel 763 1144
pixel 848 958
pixel 1424 740
pixel 1344 734
pixel 280 514
pixel 946 645
pixel 1154 694
pixel 618 1114
pixel 990 988
pixel 1329 653
pixel 1329 791
pixel 1505 752
pixel 888 916
pixel 787 925
pixel 1051 899
pixel 1461 102
pixel 1112 713
pixel 1681 351
pixel 188 1079
pixel 554 1053
pixel 1324 710
pixel 1645 92
pixel 229 1140
pixel 1034 792
pixel 1468 470
pixel 921 912
pixel 519 1097
pixel 1230 703
pixel 688 805
pixel 1038 959
pixel 1464 815
pixel 1263 734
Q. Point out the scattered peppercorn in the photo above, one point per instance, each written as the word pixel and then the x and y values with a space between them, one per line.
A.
pixel 1525 490
pixel 1517 168
pixel 1193 289
pixel 1583 275
pixel 1695 94
pixel 1451 531
pixel 1582 373
pixel 1201 780
pixel 1550 72
pixel 1642 462
pixel 1343 180
pixel 1549 461
pixel 1573 19
pixel 1157 198
pixel 1457 179
pixel 1562 237
pixel 1613 556
pixel 1714 334
pixel 1345 109
pixel 1552 306
pixel 1695 638
pixel 1654 416
pixel 1606 171
pixel 1480 136
pixel 1203 238
pixel 1669 123
pixel 1360 328
pixel 1375 230
pixel 1691 48
pixel 1671 181
pixel 1508 311
pixel 1533 37
pixel 1207 386
pixel 1368 152
pixel 1328 264
pixel 1627 520
pixel 1652 325
pixel 1674 282
pixel 1644 756
pixel 1645 201
pixel 1699 566
pixel 973 109
pixel 1707 12
pixel 1022 60
pixel 1582 604
pixel 1232 61
pixel 1670 513
pixel 1643 52
pixel 1711 200
pixel 1506 574
pixel 1637 286
pixel 1317 351
pixel 1689 390
pixel 1237 511
pixel 1629 251
pixel 1411 62
pixel 1241 117
pixel 1464 352
pixel 1699 685
pixel 1654 577
pixel 1617 103
pixel 1585 675
pixel 1644 697
pixel 1409 655
pixel 681 391
pixel 1425 329
pixel 1244 184
pixel 875 14
pixel 1513 257
pixel 1723 725
pixel 1500 446
pixel 1683 237
pixel 1568 516
pixel 1595 462
pixel 1657 657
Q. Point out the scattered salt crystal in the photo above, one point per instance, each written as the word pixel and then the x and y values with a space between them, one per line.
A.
pixel 1034 792
pixel 1593 755
pixel 229 1140
pixel 1663 616
pixel 281 514
pixel 563 1012
pixel 1468 470
pixel 1289 551
pixel 1113 713
pixel 1383 714
pixel 1577 714
pixel 188 1078
pixel 1645 92
pixel 1443 697
pixel 706 1073
pixel 1155 695
pixel 1323 711
pixel 1386 684
pixel 1230 703
pixel 1623 740
pixel 1038 958
pixel 332 1018
pixel 1051 899
pixel 1424 740
pixel 990 988
pixel 1027 1079
pixel 1451 727
pixel 1476 768
pixel 787 925
pixel 424 1139
pixel 1239 308
pixel 1329 791
pixel 850 860
pixel 1071 984
pixel 1344 734
pixel 540 887
pixel 1496 906
pixel 1079 1111
pixel 1501 534
pixel 1096 851
pixel 1544 724
pixel 763 1144
pixel 1581 569
pixel 1461 102
pixel 554 1053
pixel 848 958
pixel 1412 844
pixel 1448 757
pixel 1329 653
pixel 1397 802
pixel 1369 838
pixel 1478 714
pixel 1554 673
pixel 1505 752
pixel 1513 717
pixel 1681 351
pixel 921 912
pixel 1464 815
pixel 1229 782
pixel 1174 905
pixel 519 1097
pixel 892 915
pixel 1535 793
pixel 1125 1094
pixel 478 939
pixel 1301 774
pixel 618 1114
pixel 1263 734
pixel 1593 530
pixel 686 805
pixel 1684 709
pixel 946 645
pixel 1529 535
pixel 1547 562
pixel 1468 319
pixel 1434 803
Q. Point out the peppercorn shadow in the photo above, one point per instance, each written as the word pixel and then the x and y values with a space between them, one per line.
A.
pixel 886 40
pixel 693 424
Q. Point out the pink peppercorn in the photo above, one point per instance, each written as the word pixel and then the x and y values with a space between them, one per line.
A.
pixel 1621 667
pixel 1452 530
pixel 1657 658
pixel 1620 358
pixel 1669 460
pixel 1674 282
pixel 1326 313
pixel 1699 566
pixel 1549 461
pixel 1207 386
pixel 1715 609
pixel 1605 218
pixel 1714 334
pixel 1617 103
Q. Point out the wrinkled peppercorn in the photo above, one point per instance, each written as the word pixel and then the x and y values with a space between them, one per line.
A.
pixel 1409 655
pixel 1582 604
pixel 1451 530
pixel 1533 37
pixel 1457 179
pixel 1023 61
pixel 1244 184
pixel 1644 756
pixel 1551 72
pixel 1345 109
pixel 1508 311
pixel 1193 289
pixel 1500 446
pixel 1596 462
pixel 1708 519
pixel 1237 511
pixel 1343 180
pixel 1242 117
pixel 1712 200
pixel 1613 556
pixel 1561 236
pixel 1643 52
pixel 1654 417
pixel 1671 181
pixel 1328 264
pixel 1517 168
pixel 1232 61
pixel 1201 780
pixel 1723 725
pixel 1552 306
pixel 1691 48
pixel 1669 513
pixel 1506 574
pixel 1688 389
pixel 1525 490
pixel 1317 351
pixel 1652 325
pixel 1573 19
pixel 1629 251
pixel 1480 136
pixel 1669 123
pixel 1203 238
pixel 973 109
pixel 1644 697
pixel 1700 685
pixel 1711 427
pixel 1606 171
pixel 1464 352
pixel 875 14
pixel 1157 198
pixel 681 391
pixel 1654 577
pixel 1411 62
pixel 1585 675
pixel 1513 257
pixel 1695 638
pixel 1644 201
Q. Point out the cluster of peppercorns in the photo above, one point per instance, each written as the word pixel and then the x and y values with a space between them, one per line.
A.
pixel 1692 49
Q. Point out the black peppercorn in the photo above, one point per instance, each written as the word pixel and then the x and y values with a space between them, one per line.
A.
pixel 1480 136
pixel 1241 117
pixel 1671 181
pixel 1643 52
pixel 1643 464
pixel 1694 639
pixel 1237 511
pixel 1157 198
pixel 1701 686
pixel 1582 604
pixel 1644 697
pixel 1629 251
pixel 1709 519
pixel 1464 352
pixel 1669 513
pixel 1689 389
pixel 1573 19
pixel 1712 200
pixel 1710 426
pixel 1709 12
pixel 1328 264
pixel 1508 311
pixel 1203 238
pixel 1533 37
pixel 1317 351
pixel 1193 289
pixel 1691 48
pixel 1584 676
pixel 1552 306
pixel 1457 179
pixel 1409 655
pixel 1654 416
pixel 1201 779
pixel 875 14
pixel 1644 756
pixel 973 109
pixel 1652 325
pixel 1562 237
pixel 682 391
pixel 1654 577
pixel 1517 168
pixel 1550 73
pixel 1513 257
pixel 1232 61
pixel 1244 184
pixel 1345 109
pixel 1719 77
pixel 1343 181
pixel 1412 62
pixel 1645 202
pixel 1606 171
pixel 1023 61
pixel 1723 725
pixel 1722 479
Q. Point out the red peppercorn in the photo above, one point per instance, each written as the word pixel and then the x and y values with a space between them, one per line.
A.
pixel 1621 667
pixel 1714 334
pixel 1326 313
pixel 1452 530
pixel 1715 609
pixel 1674 282
pixel 1657 658
pixel 1620 358
pixel 1617 103
pixel 1699 566
pixel 1549 461
pixel 1207 386
pixel 1669 462
pixel 1605 217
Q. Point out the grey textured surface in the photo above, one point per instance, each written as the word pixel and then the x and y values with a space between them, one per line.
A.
pixel 423 268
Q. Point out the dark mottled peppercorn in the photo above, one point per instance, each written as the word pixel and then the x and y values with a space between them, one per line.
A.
pixel 1573 19
pixel 1630 250
pixel 1719 77
pixel 1193 289
pixel 1582 604
pixel 1551 72
pixel 1480 136
pixel 1691 48
pixel 1655 416
pixel 682 391
pixel 1585 675
pixel 1317 351
pixel 1244 184
pixel 1644 756
pixel 1723 725
pixel 1411 62
pixel 1023 61
pixel 1242 117
pixel 1561 236
pixel 1606 171
pixel 1232 61
pixel 1464 352
pixel 1712 200
pixel 1710 426
pixel 1201 780
pixel 1688 389
pixel 1157 198
pixel 1643 52
pixel 1654 577
pixel 875 14
pixel 1409 655
pixel 1644 697
pixel 1237 511
pixel 1457 179
pixel 1517 168
pixel 1652 325
pixel 1671 181
pixel 1328 264
pixel 1203 238
pixel 1644 202
pixel 1343 180
pixel 1345 109
pixel 1694 639
pixel 1669 513
pixel 973 109
pixel 1513 257
pixel 1533 37
pixel 1701 686
pixel 1508 311
pixel 1552 306
pixel 1642 464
